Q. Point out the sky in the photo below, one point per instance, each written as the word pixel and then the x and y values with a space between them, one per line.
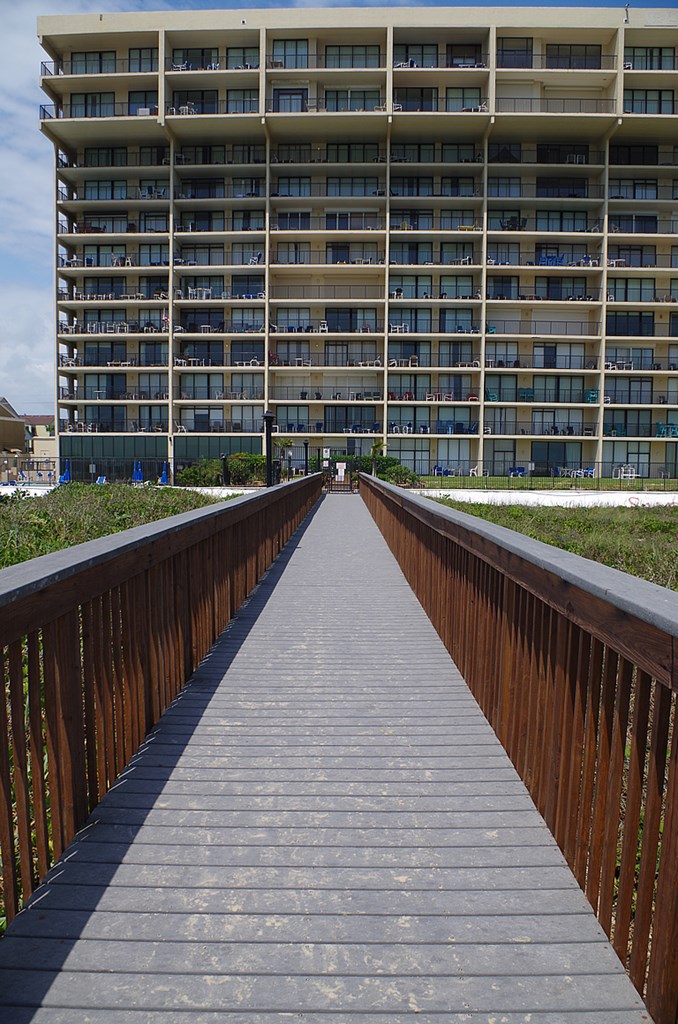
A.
pixel 26 214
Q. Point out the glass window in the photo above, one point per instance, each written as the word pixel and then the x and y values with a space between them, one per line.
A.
pixel 414 186
pixel 242 57
pixel 352 56
pixel 416 99
pixel 648 101
pixel 351 152
pixel 464 55
pixel 292 186
pixel 462 99
pixel 200 101
pixel 422 55
pixel 242 101
pixel 143 99
pixel 504 152
pixel 93 62
pixel 631 323
pixel 290 53
pixel 649 58
pixel 144 58
pixel 92 104
pixel 514 52
pixel 409 286
pixel 106 189
pixel 106 156
pixel 187 58
pixel 631 289
pixel 573 55
pixel 351 99
pixel 502 287
pixel 420 152
pixel 354 186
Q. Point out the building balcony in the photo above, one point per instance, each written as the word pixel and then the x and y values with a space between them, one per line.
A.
pixel 344 222
pixel 553 105
pixel 334 393
pixel 114 424
pixel 190 424
pixel 320 257
pixel 548 328
pixel 361 356
pixel 325 61
pixel 99 66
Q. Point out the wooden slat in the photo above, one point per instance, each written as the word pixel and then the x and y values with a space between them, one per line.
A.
pixel 89 703
pixel 614 793
pixel 632 812
pixel 662 981
pixel 37 753
pixel 589 764
pixel 7 851
pixel 22 804
pixel 656 773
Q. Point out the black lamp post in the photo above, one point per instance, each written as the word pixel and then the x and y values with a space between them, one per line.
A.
pixel 306 457
pixel 268 424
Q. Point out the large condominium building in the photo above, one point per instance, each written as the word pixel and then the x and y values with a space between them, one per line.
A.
pixel 454 229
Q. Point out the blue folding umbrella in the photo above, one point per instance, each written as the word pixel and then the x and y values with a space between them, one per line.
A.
pixel 164 479
pixel 65 477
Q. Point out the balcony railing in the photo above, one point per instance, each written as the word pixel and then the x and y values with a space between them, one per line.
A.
pixel 360 357
pixel 330 222
pixel 327 292
pixel 323 60
pixel 283 393
pixel 102 66
pixel 517 190
pixel 649 227
pixel 591 295
pixel 643 195
pixel 223 394
pixel 566 328
pixel 557 155
pixel 217 62
pixel 532 429
pixel 322 257
pixel 553 105
pixel 217 426
pixel 117 426
pixel 402 104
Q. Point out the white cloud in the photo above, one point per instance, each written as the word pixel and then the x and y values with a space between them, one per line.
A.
pixel 26 351
pixel 26 211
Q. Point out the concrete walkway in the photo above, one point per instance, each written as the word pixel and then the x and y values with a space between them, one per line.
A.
pixel 322 829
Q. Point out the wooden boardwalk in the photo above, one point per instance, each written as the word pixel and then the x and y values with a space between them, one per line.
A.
pixel 322 829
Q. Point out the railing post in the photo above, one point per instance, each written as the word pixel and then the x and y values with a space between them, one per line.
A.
pixel 268 428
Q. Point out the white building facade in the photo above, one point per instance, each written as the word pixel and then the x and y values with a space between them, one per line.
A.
pixel 455 229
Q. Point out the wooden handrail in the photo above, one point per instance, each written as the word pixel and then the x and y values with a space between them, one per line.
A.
pixel 575 665
pixel 95 643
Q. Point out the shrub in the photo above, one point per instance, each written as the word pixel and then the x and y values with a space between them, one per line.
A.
pixel 206 473
pixel 245 468
pixel 80 512
pixel 402 476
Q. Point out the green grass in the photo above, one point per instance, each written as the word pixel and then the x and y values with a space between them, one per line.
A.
pixel 80 512
pixel 640 541
pixel 504 483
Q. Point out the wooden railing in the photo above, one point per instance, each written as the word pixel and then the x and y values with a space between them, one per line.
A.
pixel 575 666
pixel 96 641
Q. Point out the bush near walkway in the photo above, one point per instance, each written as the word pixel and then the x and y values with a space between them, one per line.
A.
pixel 640 541
pixel 76 513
